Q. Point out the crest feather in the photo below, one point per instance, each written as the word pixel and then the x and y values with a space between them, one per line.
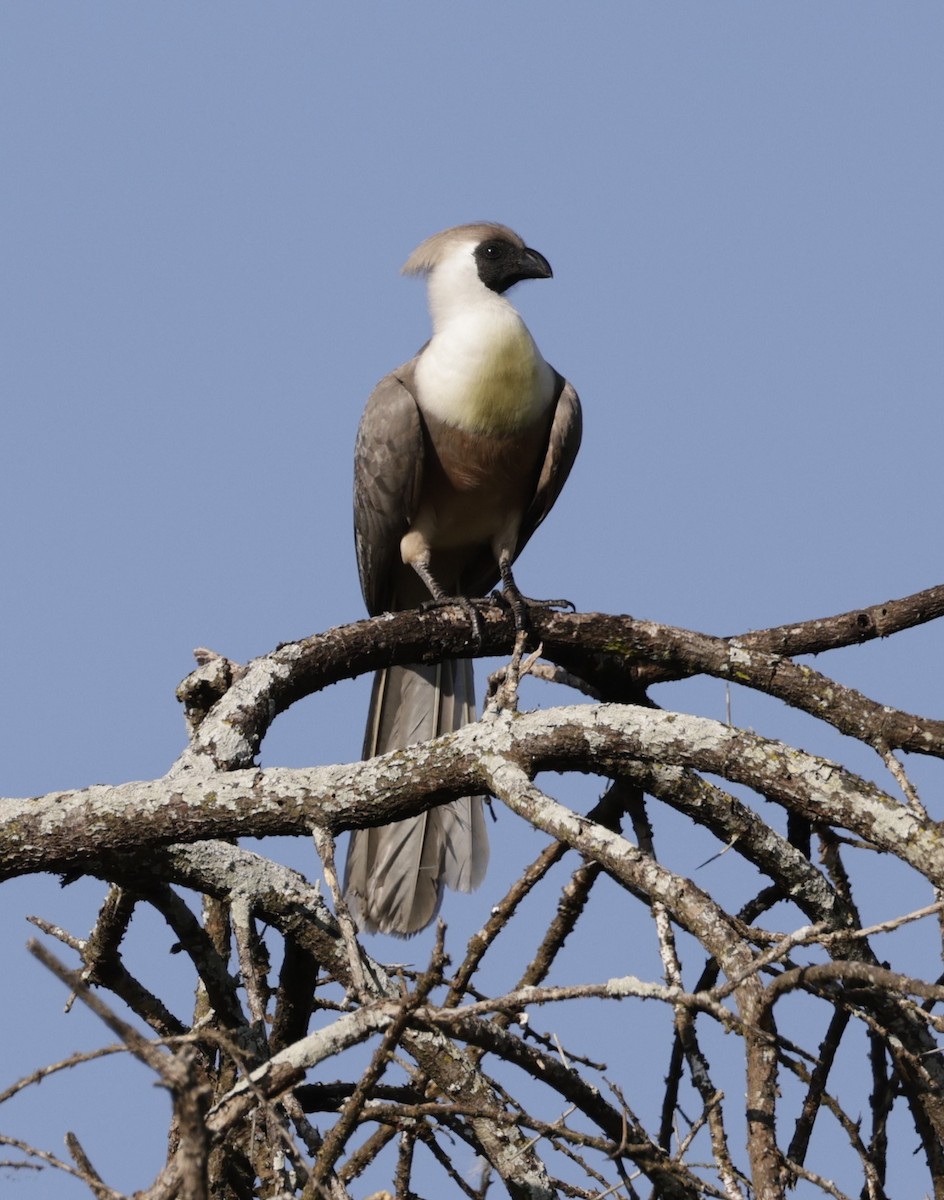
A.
pixel 431 252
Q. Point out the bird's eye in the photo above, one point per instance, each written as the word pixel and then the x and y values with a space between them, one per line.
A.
pixel 493 250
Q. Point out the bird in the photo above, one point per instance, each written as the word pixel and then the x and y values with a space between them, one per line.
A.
pixel 460 455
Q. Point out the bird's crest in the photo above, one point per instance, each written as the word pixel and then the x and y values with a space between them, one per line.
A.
pixel 432 252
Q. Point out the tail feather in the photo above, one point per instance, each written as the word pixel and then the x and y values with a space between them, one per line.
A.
pixel 464 843
pixel 396 874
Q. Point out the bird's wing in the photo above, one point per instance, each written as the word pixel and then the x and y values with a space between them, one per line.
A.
pixel 562 445
pixel 388 468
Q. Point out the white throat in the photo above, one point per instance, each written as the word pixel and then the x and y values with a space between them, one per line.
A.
pixel 481 371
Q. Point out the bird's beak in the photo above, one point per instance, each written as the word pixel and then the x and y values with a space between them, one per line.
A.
pixel 533 265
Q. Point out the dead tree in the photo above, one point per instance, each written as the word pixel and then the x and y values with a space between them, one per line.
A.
pixel 796 1048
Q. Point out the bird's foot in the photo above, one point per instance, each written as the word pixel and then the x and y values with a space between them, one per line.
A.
pixel 520 605
pixel 469 605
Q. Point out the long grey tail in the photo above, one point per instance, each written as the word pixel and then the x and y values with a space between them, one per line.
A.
pixel 395 875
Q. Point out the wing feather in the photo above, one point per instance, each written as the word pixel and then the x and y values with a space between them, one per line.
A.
pixel 388 468
pixel 562 445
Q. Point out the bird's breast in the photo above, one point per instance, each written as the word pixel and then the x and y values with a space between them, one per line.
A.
pixel 467 461
pixel 484 376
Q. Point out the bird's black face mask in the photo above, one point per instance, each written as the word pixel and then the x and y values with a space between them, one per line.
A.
pixel 501 264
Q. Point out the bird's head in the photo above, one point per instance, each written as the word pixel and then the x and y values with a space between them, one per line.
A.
pixel 466 260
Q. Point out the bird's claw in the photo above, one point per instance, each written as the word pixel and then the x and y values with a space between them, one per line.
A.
pixel 563 605
pixel 469 606
pixel 519 605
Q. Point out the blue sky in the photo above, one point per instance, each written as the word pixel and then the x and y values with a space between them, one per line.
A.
pixel 206 208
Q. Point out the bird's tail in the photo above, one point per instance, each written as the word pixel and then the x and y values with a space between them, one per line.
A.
pixel 396 874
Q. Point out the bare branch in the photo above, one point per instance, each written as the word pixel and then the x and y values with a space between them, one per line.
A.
pixel 452 1062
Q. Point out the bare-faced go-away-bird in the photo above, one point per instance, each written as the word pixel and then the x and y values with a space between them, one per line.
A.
pixel 460 456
